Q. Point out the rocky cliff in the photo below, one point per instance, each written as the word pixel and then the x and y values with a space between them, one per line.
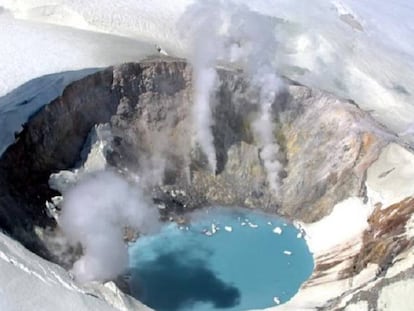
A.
pixel 328 149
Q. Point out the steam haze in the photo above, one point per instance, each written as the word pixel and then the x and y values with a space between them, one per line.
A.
pixel 222 31
pixel 95 213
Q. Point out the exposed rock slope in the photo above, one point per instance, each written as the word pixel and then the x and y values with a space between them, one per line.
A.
pixel 328 147
pixel 326 142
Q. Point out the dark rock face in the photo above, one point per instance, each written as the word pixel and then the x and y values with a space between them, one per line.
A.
pixel 51 141
pixel 151 124
pixel 327 144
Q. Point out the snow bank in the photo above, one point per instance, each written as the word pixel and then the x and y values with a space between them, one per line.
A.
pixel 389 179
pixel 319 44
pixel 41 285
pixel 363 50
pixel 347 220
pixel 36 49
pixel 397 296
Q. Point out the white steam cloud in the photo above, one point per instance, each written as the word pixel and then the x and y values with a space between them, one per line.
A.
pixel 200 25
pixel 223 31
pixel 264 127
pixel 95 213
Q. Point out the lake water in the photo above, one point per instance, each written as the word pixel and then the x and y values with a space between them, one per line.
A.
pixel 224 259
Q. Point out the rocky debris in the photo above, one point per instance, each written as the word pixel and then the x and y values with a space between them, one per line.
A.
pixel 385 238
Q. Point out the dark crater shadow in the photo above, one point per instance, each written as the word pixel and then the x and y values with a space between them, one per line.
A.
pixel 172 282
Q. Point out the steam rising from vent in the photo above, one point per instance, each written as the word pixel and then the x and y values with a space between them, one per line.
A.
pixel 204 82
pixel 264 128
pixel 200 25
pixel 222 31
pixel 95 213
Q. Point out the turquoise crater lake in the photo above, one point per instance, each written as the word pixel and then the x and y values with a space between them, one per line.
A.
pixel 223 259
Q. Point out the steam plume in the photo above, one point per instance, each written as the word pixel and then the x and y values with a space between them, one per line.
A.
pixel 228 32
pixel 200 26
pixel 94 214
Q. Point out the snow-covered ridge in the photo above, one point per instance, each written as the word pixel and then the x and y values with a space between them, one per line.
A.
pixel 50 286
pixel 35 49
pixel 371 63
